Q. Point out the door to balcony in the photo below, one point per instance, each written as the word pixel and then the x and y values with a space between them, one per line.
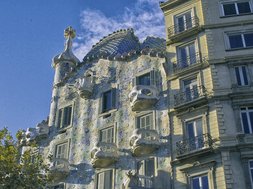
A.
pixel 195 134
pixel 183 22
pixel 191 89
pixel 186 55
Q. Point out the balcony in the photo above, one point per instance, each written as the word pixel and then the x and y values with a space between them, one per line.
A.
pixel 188 62
pixel 144 141
pixel 201 143
pixel 84 86
pixel 104 154
pixel 192 95
pixel 59 169
pixel 143 97
pixel 179 31
pixel 145 182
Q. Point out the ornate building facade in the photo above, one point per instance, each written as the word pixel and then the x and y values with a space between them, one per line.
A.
pixel 108 122
pixel 161 114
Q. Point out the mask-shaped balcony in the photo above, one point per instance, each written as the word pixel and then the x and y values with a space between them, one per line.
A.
pixel 42 129
pixel 198 144
pixel 84 86
pixel 144 141
pixel 59 169
pixel 143 97
pixel 104 154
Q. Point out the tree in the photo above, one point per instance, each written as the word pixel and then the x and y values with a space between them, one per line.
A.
pixel 20 170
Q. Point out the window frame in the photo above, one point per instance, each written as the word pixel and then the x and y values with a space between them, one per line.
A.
pixel 113 96
pixel 234 33
pixel 106 129
pixel 250 125
pixel 100 172
pixel 142 115
pixel 251 172
pixel 60 121
pixel 154 77
pixel 67 143
pixel 235 2
pixel 199 176
pixel 241 75
pixel 176 17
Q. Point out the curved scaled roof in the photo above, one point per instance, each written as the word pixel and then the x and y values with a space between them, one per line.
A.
pixel 119 42
pixel 123 43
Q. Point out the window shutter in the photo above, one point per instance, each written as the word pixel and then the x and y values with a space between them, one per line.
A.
pixel 152 77
pixel 59 118
pixel 134 82
pixel 114 99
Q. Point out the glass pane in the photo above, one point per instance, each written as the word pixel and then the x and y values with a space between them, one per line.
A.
pixel 245 122
pixel 190 129
pixel 238 78
pixel 149 167
pixel 235 41
pixel 251 164
pixel 245 78
pixel 229 9
pixel 108 180
pixel 248 39
pixel 251 120
pixel 188 19
pixel 204 183
pixel 192 54
pixel 183 56
pixel 195 183
pixel 107 101
pixel 144 79
pixel 180 22
pixel 243 7
pixel 59 124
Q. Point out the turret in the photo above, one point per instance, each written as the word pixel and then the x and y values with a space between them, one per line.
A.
pixel 66 61
pixel 63 63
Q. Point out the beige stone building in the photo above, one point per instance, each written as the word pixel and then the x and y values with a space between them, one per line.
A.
pixel 210 91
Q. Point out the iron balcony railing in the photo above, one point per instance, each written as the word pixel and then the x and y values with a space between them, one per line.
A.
pixel 189 95
pixel 184 26
pixel 145 182
pixel 189 145
pixel 184 62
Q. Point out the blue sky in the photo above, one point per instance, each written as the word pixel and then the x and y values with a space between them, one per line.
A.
pixel 31 34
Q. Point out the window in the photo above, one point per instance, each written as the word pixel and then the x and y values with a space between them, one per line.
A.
pixel 145 121
pixel 194 133
pixel 107 135
pixel 236 8
pixel 247 119
pixel 146 171
pixel 190 89
pixel 146 79
pixel 108 100
pixel 186 55
pixel 200 182
pixel 60 186
pixel 104 180
pixel 64 117
pixel 251 171
pixel 143 79
pixel 183 22
pixel 240 40
pixel 61 151
pixel 241 75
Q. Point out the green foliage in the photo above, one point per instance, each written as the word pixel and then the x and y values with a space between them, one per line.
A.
pixel 20 171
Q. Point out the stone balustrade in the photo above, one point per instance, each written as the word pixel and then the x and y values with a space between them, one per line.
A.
pixel 59 169
pixel 84 86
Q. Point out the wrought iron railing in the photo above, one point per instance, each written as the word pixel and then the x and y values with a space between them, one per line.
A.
pixel 189 95
pixel 192 59
pixel 145 182
pixel 186 25
pixel 192 144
